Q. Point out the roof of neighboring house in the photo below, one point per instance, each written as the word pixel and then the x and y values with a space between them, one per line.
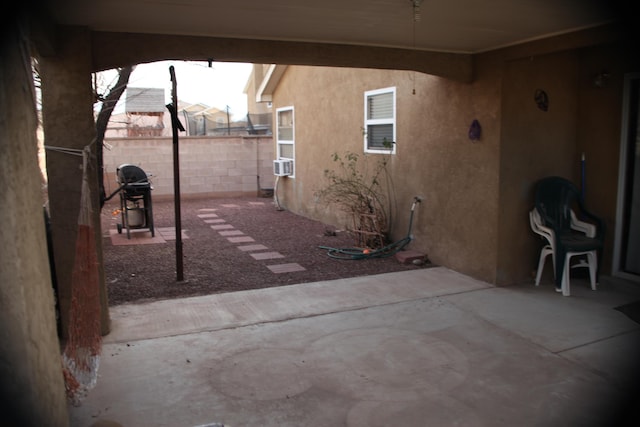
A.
pixel 144 100
pixel 211 111
pixel 270 81
pixel 192 108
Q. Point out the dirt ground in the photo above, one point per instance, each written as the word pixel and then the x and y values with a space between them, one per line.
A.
pixel 144 268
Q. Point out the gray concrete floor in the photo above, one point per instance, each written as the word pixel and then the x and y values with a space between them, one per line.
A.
pixel 427 347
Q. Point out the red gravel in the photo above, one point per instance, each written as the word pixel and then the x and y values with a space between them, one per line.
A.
pixel 212 264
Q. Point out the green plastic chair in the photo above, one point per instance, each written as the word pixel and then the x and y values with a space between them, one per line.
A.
pixel 556 199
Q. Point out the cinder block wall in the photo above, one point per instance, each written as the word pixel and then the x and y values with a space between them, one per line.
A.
pixel 209 166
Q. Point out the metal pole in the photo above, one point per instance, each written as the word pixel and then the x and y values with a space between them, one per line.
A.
pixel 175 125
pixel 583 177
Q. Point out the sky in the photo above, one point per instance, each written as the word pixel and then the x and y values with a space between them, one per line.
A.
pixel 220 86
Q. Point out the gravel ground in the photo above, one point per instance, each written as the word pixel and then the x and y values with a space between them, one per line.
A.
pixel 213 264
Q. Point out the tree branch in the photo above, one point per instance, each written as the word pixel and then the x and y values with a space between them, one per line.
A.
pixel 102 121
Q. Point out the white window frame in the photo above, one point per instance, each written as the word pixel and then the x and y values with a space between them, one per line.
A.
pixel 282 142
pixel 386 121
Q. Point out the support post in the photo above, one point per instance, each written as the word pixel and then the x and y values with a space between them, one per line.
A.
pixel 175 126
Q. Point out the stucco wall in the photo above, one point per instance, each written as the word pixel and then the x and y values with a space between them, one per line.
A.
pixel 209 166
pixel 474 218
pixel 582 119
pixel 455 225
pixel 535 144
pixel 31 383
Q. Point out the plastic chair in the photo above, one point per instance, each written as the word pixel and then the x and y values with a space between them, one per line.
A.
pixel 555 201
pixel 548 249
pixel 592 261
pixel 547 234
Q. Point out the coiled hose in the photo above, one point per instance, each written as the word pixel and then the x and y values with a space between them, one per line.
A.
pixel 386 251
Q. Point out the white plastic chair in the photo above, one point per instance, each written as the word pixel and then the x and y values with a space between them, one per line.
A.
pixel 591 256
pixel 547 233
pixel 592 262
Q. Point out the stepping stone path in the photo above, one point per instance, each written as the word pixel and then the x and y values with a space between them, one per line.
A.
pixel 169 233
pixel 247 244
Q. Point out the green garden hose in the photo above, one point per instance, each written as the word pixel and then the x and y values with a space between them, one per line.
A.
pixel 386 251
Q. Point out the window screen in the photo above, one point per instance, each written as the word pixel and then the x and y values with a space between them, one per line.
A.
pixel 380 121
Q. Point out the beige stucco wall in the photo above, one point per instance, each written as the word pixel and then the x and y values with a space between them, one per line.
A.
pixel 457 178
pixel 474 218
pixel 534 144
pixel 581 118
pixel 31 383
pixel 209 166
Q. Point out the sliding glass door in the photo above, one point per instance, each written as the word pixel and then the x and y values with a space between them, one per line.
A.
pixel 627 244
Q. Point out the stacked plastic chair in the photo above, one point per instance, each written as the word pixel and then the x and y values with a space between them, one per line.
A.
pixel 570 229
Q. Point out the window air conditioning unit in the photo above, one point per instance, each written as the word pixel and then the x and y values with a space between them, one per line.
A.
pixel 282 167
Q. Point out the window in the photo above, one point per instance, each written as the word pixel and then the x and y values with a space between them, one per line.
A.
pixel 380 121
pixel 285 138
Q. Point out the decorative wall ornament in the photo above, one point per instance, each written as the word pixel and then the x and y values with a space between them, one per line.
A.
pixel 542 99
pixel 475 130
pixel 601 79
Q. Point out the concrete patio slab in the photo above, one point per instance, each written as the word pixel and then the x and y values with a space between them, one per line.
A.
pixel 138 237
pixel 530 312
pixel 427 347
pixel 132 322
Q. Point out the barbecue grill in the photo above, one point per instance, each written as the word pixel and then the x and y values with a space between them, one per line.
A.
pixel 135 199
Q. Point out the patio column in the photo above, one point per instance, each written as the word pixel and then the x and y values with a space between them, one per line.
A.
pixel 67 105
pixel 31 382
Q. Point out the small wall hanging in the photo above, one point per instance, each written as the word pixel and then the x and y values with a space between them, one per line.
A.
pixel 542 99
pixel 474 131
